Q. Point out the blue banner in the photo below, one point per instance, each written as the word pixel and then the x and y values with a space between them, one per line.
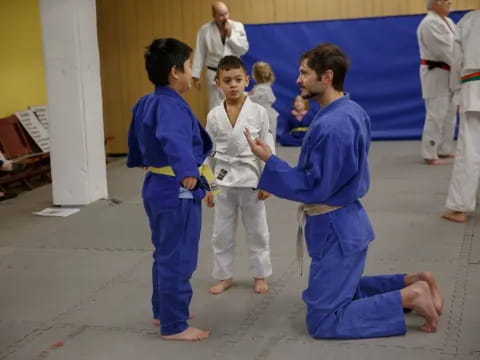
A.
pixel 384 59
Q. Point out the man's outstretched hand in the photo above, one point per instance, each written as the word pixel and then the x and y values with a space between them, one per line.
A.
pixel 259 148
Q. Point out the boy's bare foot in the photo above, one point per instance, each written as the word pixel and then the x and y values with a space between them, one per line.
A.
pixel 260 285
pixel 221 286
pixel 156 322
pixel 434 162
pixel 455 216
pixel 419 298
pixel 189 334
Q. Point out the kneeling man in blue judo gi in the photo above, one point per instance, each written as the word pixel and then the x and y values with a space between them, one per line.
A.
pixel 331 176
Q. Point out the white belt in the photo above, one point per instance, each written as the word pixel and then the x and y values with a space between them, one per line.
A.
pixel 303 211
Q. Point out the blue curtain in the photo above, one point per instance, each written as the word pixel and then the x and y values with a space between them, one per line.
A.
pixel 383 76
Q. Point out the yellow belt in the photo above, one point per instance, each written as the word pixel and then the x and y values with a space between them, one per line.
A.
pixel 204 170
pixel 303 211
pixel 299 129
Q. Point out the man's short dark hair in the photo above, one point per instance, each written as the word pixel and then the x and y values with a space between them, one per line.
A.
pixel 230 62
pixel 325 57
pixel 163 54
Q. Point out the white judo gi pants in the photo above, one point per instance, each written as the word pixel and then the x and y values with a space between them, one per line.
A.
pixel 462 194
pixel 439 128
pixel 254 217
pixel 215 96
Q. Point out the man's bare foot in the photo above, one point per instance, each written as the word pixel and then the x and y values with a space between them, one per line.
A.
pixel 260 285
pixel 419 298
pixel 446 156
pixel 455 216
pixel 427 276
pixel 221 286
pixel 434 162
pixel 189 334
pixel 156 322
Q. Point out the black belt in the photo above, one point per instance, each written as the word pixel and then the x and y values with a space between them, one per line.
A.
pixel 212 68
pixel 435 64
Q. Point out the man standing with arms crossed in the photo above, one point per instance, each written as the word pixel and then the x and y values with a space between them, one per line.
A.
pixel 435 40
pixel 216 39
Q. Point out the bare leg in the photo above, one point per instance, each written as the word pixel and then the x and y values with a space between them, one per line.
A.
pixel 189 334
pixel 221 286
pixel 419 298
pixel 260 285
pixel 432 283
pixel 434 162
pixel 455 216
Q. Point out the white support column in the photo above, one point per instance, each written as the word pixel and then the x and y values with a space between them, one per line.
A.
pixel 70 46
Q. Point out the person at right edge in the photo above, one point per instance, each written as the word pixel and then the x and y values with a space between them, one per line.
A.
pixel 465 80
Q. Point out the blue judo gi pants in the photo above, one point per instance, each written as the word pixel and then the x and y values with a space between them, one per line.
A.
pixel 343 304
pixel 175 236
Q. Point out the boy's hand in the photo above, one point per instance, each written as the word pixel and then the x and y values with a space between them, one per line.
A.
pixel 258 147
pixel 209 199
pixel 263 195
pixel 189 182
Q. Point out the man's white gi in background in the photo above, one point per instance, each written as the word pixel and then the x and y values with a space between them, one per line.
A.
pixel 237 171
pixel 209 50
pixel 435 40
pixel 465 82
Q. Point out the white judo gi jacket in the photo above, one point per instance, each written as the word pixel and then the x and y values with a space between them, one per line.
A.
pixel 466 61
pixel 435 40
pixel 232 162
pixel 210 49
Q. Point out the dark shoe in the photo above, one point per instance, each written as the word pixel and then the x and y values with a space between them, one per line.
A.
pixel 16 168
pixel 7 196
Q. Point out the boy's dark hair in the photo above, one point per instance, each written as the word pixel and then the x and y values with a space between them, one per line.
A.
pixel 325 57
pixel 163 54
pixel 230 62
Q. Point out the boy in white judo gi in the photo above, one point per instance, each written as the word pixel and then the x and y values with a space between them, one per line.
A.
pixel 330 178
pixel 237 172
pixel 465 80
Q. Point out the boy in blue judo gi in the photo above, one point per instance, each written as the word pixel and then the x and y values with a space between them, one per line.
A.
pixel 330 178
pixel 166 137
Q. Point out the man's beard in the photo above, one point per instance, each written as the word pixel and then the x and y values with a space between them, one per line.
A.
pixel 311 95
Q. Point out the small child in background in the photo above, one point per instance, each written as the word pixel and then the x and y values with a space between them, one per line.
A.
pixel 298 122
pixel 262 92
pixel 237 172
